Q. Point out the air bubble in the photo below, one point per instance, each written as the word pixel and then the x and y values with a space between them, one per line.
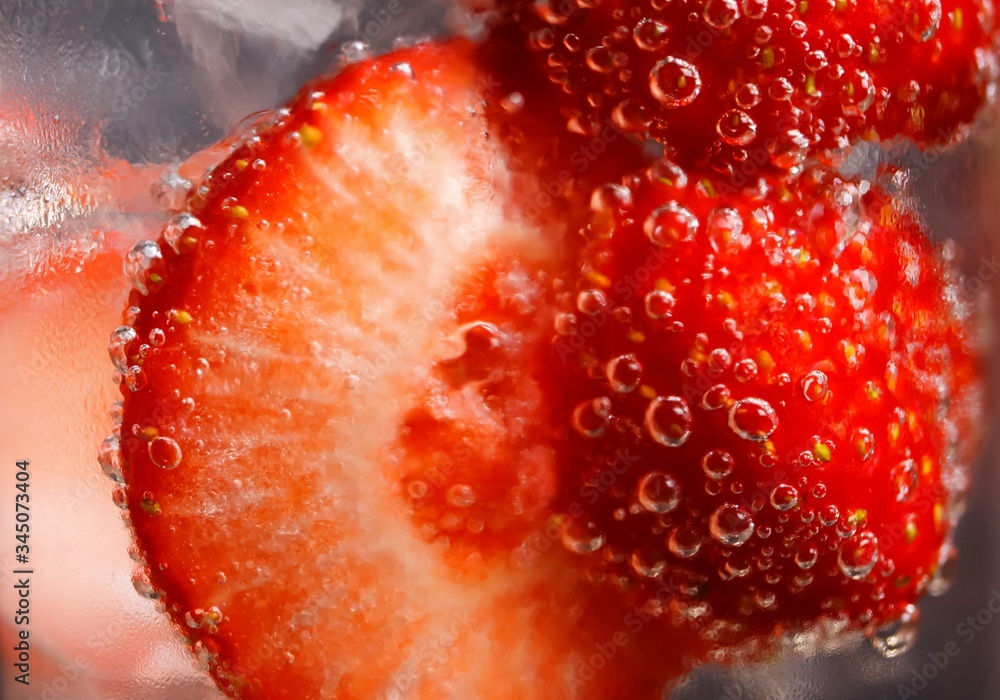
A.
pixel 624 373
pixel 724 229
pixel 647 562
pixel 650 35
pixel 658 492
pixel 745 370
pixel 721 14
pixel 179 226
pixel 717 464
pixel 815 385
pixel 784 497
pixel 807 556
pixel 143 586
pixel 736 128
pixel 675 82
pixel 684 542
pixel 659 304
pixel 904 477
pixel 118 347
pixel 139 259
pixel 590 418
pixel 591 301
pixel 581 538
pixel 858 555
pixel 110 458
pixel 731 524
pixel 896 637
pixel 670 224
pixel 715 397
pixel 668 420
pixel 753 419
pixel 461 496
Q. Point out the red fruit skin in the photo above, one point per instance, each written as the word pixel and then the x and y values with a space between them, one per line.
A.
pixel 820 278
pixel 766 83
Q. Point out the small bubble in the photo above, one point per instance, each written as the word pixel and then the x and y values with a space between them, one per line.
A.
pixel 675 82
pixel 135 378
pixel 650 35
pixel 745 370
pixel 717 464
pixel 806 556
pixel 784 497
pixel 591 302
pixel 668 420
pixel 110 458
pixel 731 524
pixel 715 397
pixel 736 128
pixel 590 418
pixel 670 225
pixel 461 496
pixel 858 555
pixel 753 419
pixel 754 9
pixel 118 347
pixel 658 492
pixel 815 385
pixel 624 373
pixel 139 259
pixel 896 637
pixel 684 542
pixel 905 478
pixel 659 304
pixel 581 538
pixel 180 226
pixel 724 230
pixel 721 14
pixel 143 586
pixel 647 562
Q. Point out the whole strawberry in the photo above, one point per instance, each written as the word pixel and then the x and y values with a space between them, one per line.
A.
pixel 772 397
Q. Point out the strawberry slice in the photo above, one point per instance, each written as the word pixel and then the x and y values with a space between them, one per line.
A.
pixel 333 442
pixel 773 394
pixel 746 85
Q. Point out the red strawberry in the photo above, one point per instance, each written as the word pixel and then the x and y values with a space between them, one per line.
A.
pixel 333 439
pixel 773 397
pixel 758 83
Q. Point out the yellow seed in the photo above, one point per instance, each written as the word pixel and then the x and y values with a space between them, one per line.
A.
pixel 902 582
pixel 180 316
pixel 636 336
pixel 647 392
pixel 310 136
pixel 767 57
pixel 239 212
pixel 926 465
pixel 149 433
pixel 599 279
pixel 242 164
pixel 155 278
pixel 150 506
pixel 765 361
pixel 822 452
pixel 859 515
pixel 911 532
pixel 894 431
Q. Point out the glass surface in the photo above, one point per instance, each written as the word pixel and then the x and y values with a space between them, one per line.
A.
pixel 100 102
